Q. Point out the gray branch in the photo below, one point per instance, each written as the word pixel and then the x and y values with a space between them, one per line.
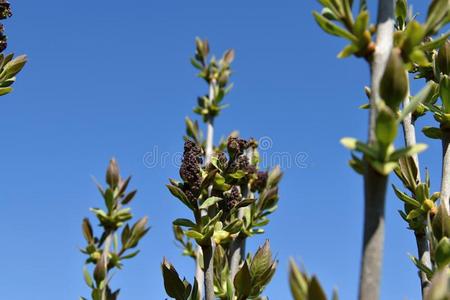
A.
pixel 374 183
pixel 237 248
pixel 445 183
pixel 208 259
pixel 423 248
pixel 205 276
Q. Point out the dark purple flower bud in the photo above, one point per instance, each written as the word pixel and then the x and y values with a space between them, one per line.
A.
pixel 190 170
pixel 232 198
pixel 260 182
pixel 236 146
pixel 5 9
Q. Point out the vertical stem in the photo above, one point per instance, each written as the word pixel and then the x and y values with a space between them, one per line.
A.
pixel 206 277
pixel 374 183
pixel 209 140
pixel 208 255
pixel 445 183
pixel 409 131
pixel 105 254
pixel 423 248
pixel 236 256
pixel 373 240
pixel 237 248
pixel 199 275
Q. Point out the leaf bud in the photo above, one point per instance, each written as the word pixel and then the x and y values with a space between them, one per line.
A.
pixel 428 204
pixel 228 56
pixel 112 174
pixel 394 82
pixel 100 271
pixel 443 59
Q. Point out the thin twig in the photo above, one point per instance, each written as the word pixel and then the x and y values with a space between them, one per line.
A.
pixel 105 258
pixel 374 183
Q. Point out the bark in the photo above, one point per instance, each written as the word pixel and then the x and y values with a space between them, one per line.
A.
pixel 375 184
pixel 423 248
pixel 237 248
pixel 105 254
pixel 373 240
pixel 237 253
pixel 208 258
pixel 205 277
pixel 445 183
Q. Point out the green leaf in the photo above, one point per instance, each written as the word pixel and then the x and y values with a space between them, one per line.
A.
pixel 88 278
pixel 432 132
pixel 424 96
pixel 13 67
pixel 315 291
pixel 196 64
pixel 244 203
pixel 243 282
pixel 210 202
pixel 437 13
pixel 262 261
pixel 184 222
pixel 361 23
pixel 442 254
pixel 131 255
pixel 178 193
pixel 109 199
pixel 298 282
pixel 195 295
pixel 194 234
pixel 421 266
pixel 418 57
pixel 354 144
pixel 348 50
pixel 230 289
pixel 328 13
pixel 364 106
pixel 386 127
pixel 441 223
pixel 414 35
pixel 357 164
pixel 413 214
pixel 405 198
pixel 435 44
pixel 238 174
pixel 401 9
pixel 384 168
pixel 444 92
pixel 5 90
pixel 408 151
pixel 174 286
pixel 332 28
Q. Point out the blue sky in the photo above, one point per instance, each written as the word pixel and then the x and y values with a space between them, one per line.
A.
pixel 113 78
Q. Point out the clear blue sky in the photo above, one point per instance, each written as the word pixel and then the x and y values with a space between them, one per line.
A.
pixel 113 78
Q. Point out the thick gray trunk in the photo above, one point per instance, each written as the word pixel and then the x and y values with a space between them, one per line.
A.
pixel 373 240
pixel 375 184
